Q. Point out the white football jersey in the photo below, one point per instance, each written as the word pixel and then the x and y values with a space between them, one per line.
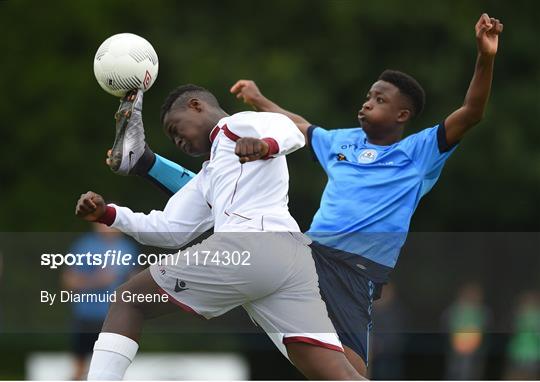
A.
pixel 225 194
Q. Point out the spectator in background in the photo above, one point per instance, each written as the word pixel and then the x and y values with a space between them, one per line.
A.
pixel 388 337
pixel 523 360
pixel 466 321
pixel 88 317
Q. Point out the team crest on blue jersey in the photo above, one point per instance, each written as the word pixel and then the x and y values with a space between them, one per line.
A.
pixel 367 156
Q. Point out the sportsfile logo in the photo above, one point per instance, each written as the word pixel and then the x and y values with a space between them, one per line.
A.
pixel 118 258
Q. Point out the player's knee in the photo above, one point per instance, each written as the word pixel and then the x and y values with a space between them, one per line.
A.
pixel 356 361
pixel 346 372
pixel 361 368
pixel 320 363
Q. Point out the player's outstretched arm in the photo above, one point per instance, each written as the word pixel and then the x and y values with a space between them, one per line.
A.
pixel 460 121
pixel 186 216
pixel 248 91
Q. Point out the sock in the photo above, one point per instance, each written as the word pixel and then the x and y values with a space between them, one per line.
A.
pixel 113 353
pixel 144 163
pixel 168 176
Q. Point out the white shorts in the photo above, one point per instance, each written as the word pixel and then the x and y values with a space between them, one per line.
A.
pixel 272 275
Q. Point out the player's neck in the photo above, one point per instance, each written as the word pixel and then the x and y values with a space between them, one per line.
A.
pixel 220 113
pixel 212 120
pixel 217 115
pixel 387 139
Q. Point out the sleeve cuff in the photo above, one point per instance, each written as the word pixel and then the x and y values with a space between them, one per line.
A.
pixel 108 217
pixel 309 138
pixel 441 139
pixel 273 147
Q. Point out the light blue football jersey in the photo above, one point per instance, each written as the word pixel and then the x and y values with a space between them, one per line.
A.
pixel 372 191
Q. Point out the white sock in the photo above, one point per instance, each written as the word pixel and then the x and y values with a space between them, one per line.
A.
pixel 113 353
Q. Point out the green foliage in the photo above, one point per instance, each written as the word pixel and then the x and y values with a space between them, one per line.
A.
pixel 317 58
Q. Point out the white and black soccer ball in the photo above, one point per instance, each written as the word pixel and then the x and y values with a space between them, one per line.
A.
pixel 125 62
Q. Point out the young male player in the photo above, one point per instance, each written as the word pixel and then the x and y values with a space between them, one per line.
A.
pixel 375 182
pixel 275 281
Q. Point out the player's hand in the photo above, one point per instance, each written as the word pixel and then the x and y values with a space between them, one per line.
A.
pixel 487 34
pixel 248 91
pixel 90 206
pixel 251 149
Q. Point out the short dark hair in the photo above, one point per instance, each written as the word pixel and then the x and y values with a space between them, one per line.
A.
pixel 408 86
pixel 182 94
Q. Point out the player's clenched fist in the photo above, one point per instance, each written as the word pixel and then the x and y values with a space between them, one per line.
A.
pixel 250 149
pixel 90 206
pixel 488 30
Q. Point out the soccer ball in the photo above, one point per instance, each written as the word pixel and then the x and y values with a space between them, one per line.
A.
pixel 125 62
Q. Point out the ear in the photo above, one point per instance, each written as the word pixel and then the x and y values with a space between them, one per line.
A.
pixel 195 104
pixel 403 115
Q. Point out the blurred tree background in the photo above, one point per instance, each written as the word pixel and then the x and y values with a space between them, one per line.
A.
pixel 316 58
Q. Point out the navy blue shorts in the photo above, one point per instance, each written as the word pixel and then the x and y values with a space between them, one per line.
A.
pixel 348 295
